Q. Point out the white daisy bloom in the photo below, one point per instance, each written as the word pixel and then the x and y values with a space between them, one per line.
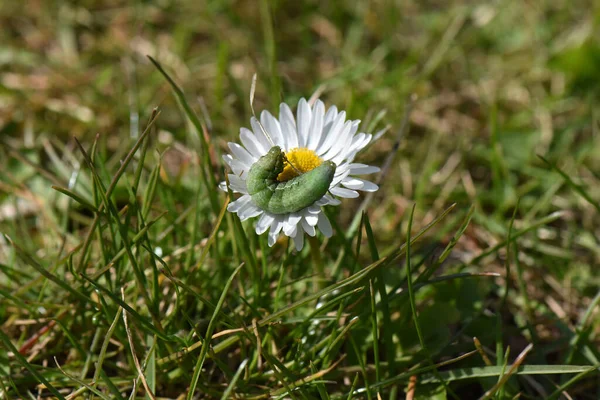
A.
pixel 316 135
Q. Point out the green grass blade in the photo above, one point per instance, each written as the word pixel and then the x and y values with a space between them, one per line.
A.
pixel 209 332
pixel 209 178
pixel 578 188
pixel 111 188
pixel 229 390
pixel 32 370
pixel 582 374
pixel 46 274
pixel 144 321
pixel 494 371
pixel 83 202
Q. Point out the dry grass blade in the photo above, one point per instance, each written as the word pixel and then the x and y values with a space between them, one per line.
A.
pixel 133 355
pixel 80 382
pixel 513 368
pixel 308 378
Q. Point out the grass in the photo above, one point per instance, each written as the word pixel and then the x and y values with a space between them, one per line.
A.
pixel 472 273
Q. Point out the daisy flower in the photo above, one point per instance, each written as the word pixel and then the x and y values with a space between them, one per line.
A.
pixel 316 135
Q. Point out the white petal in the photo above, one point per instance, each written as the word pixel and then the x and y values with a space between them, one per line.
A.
pixel 340 142
pixel 366 140
pixel 310 229
pixel 264 222
pixel 260 134
pixel 310 211
pixel 316 125
pixel 314 209
pixel 339 178
pixel 249 210
pixel 223 186
pixel 272 127
pixel 330 116
pixel 332 200
pixel 304 117
pixel 299 241
pixel 341 168
pixel 352 183
pixel 323 201
pixel 237 184
pixel 255 212
pixel 293 232
pixel 241 153
pixel 352 135
pixel 294 218
pixel 272 238
pixel 360 169
pixel 290 223
pixel 359 184
pixel 331 135
pixel 235 206
pixel 358 143
pixel 368 186
pixel 239 168
pixel 276 225
pixel 327 200
pixel 288 126
pixel 341 192
pixel 251 143
pixel 311 219
pixel 324 225
pixel 333 142
pixel 227 158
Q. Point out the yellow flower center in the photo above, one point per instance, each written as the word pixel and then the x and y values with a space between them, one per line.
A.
pixel 302 159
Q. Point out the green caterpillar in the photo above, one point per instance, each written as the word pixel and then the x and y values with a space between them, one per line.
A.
pixel 290 196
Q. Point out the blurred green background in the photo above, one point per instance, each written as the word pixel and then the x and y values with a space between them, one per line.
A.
pixel 496 83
